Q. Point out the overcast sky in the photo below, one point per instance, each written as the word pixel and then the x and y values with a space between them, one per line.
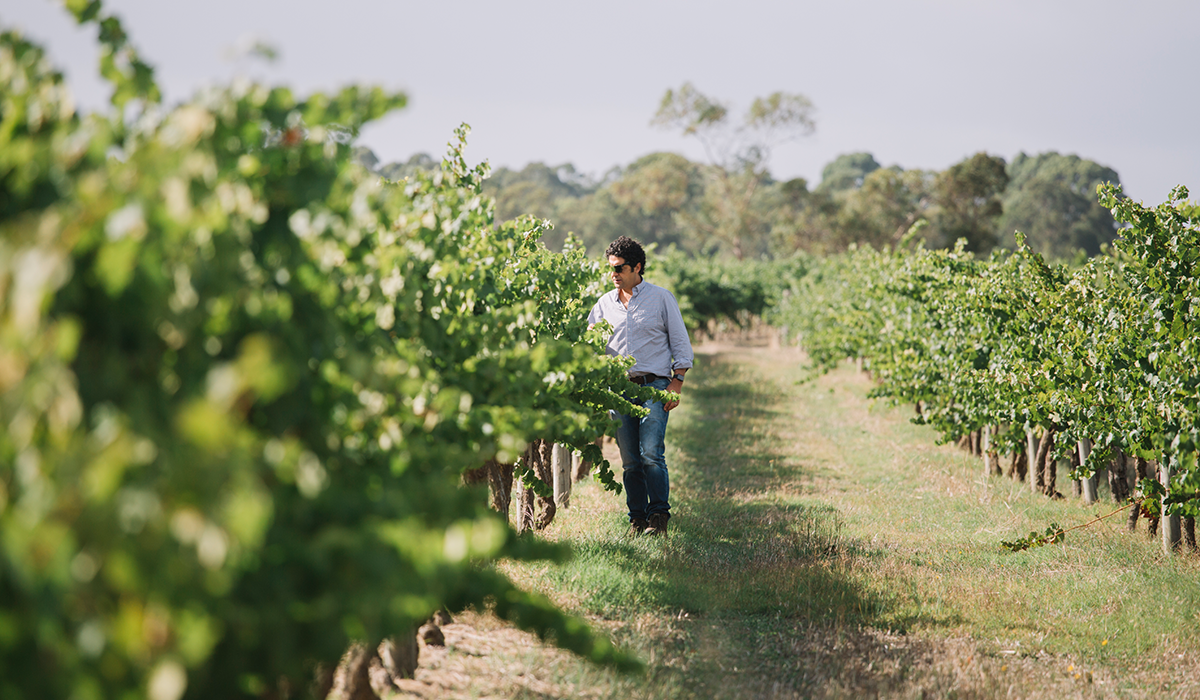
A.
pixel 917 83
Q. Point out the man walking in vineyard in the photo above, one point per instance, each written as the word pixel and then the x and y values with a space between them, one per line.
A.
pixel 648 327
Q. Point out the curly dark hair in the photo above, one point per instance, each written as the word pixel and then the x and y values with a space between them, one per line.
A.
pixel 630 250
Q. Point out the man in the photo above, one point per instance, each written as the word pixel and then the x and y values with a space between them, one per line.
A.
pixel 648 327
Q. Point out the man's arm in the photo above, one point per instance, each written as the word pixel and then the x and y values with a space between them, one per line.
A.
pixel 677 338
pixel 681 349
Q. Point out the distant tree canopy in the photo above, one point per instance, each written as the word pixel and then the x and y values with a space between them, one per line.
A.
pixel 419 162
pixel 665 198
pixel 1052 199
pixel 648 202
pixel 889 201
pixel 537 190
pixel 966 198
pixel 847 171
pixel 731 214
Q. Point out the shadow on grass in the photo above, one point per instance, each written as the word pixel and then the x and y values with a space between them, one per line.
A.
pixel 739 545
pixel 749 561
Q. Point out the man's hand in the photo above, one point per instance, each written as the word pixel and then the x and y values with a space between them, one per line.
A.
pixel 675 387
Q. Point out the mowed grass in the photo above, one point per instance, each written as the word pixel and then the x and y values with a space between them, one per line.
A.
pixel 823 546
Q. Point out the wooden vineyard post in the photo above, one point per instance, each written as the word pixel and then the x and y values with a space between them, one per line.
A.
pixel 1031 449
pixel 1118 476
pixel 1046 468
pixel 991 460
pixel 1171 535
pixel 561 467
pixel 538 456
pixel 500 485
pixel 1089 484
pixel 525 506
pixel 1076 484
pixel 1140 470
pixel 987 456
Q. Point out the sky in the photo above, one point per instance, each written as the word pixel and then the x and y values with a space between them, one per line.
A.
pixel 916 83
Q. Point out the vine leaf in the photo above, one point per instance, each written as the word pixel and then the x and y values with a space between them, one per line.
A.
pixel 1055 534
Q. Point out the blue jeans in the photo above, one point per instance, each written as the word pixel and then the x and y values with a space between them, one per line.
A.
pixel 643 457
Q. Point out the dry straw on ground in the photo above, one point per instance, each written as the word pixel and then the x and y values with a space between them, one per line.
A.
pixel 484 658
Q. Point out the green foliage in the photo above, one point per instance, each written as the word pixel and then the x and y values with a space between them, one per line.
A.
pixel 1148 503
pixel 690 110
pixel 1103 352
pixel 650 202
pixel 418 163
pixel 646 202
pixel 1154 494
pixel 535 190
pixel 847 171
pixel 733 207
pixel 1053 534
pixel 1050 197
pixel 240 378
pixel 875 209
pixel 967 200
pixel 715 291
pixel 120 64
pixel 736 146
pixel 738 154
pixel 781 110
pixel 883 209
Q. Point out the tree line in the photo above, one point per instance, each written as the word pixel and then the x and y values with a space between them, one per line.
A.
pixel 731 205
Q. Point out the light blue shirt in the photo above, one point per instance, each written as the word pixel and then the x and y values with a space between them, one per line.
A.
pixel 650 330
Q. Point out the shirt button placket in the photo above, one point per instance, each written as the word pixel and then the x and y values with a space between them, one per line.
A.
pixel 631 322
pixel 629 330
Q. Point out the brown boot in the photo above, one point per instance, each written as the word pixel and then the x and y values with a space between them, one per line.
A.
pixel 637 526
pixel 658 524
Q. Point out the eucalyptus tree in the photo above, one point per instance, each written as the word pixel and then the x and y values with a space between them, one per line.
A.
pixel 885 206
pixel 738 153
pixel 847 172
pixel 1051 199
pixel 966 198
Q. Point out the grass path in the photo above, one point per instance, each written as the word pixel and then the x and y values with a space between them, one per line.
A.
pixel 823 546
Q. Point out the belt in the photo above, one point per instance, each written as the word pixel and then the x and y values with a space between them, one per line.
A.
pixel 644 379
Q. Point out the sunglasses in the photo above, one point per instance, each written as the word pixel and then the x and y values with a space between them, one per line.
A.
pixel 619 268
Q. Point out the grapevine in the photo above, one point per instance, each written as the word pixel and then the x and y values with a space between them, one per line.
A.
pixel 242 376
pixel 1094 359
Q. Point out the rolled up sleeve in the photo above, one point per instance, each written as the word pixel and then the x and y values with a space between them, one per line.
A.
pixel 677 335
